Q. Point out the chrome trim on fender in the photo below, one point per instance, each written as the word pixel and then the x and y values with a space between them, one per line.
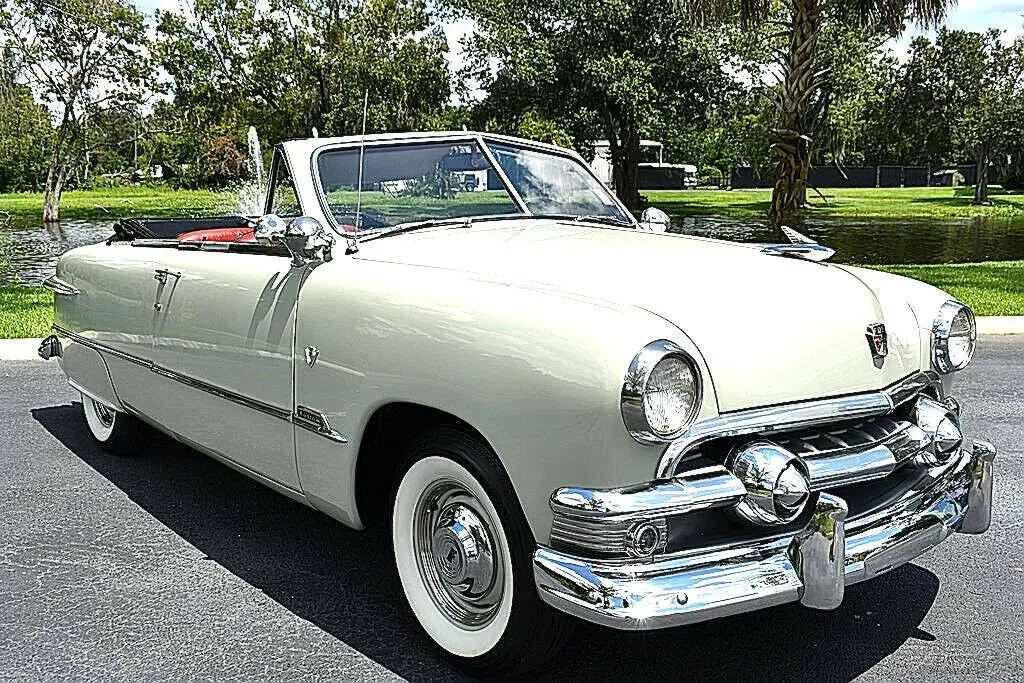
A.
pixel 318 425
pixel 764 421
pixel 812 566
pixel 60 287
pixel 316 422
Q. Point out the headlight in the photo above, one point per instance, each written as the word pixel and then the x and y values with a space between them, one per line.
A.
pixel 660 394
pixel 954 334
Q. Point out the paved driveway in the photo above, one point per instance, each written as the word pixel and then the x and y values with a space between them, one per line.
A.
pixel 171 566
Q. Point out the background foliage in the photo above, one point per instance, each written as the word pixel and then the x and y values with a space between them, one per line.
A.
pixel 178 90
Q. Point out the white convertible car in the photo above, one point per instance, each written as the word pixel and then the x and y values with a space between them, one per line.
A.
pixel 560 412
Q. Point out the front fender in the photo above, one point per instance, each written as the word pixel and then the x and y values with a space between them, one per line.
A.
pixel 538 374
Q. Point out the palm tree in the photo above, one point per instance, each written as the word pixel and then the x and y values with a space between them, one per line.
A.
pixel 801 100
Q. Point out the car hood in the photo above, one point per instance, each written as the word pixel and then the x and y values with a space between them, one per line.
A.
pixel 770 329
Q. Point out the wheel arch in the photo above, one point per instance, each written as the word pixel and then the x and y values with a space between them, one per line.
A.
pixel 388 432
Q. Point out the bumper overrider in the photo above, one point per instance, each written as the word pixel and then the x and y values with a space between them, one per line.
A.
pixel 812 564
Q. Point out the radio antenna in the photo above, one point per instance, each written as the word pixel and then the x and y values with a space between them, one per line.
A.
pixel 353 245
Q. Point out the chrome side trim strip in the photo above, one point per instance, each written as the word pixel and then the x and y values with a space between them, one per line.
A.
pixel 303 417
pixel 99 346
pixel 788 417
pixel 223 393
pixel 60 287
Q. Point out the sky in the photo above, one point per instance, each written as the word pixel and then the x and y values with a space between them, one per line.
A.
pixel 969 15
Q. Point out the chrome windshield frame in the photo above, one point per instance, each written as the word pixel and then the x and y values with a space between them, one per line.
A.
pixel 480 139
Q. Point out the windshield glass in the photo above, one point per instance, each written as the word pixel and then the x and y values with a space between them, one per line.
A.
pixel 411 183
pixel 554 184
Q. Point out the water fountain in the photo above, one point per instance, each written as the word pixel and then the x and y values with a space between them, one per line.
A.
pixel 252 192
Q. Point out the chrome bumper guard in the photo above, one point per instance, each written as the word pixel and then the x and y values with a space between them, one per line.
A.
pixel 812 566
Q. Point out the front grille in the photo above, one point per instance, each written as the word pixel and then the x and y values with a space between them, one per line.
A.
pixel 832 440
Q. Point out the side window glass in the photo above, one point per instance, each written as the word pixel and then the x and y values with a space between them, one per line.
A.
pixel 285 203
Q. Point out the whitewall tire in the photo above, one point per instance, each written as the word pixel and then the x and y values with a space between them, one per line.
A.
pixel 464 554
pixel 452 557
pixel 115 431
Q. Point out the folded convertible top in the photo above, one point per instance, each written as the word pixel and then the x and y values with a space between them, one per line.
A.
pixel 128 229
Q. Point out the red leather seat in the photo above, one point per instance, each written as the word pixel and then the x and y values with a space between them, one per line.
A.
pixel 243 234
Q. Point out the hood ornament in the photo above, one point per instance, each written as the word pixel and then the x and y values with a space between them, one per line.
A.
pixel 800 246
pixel 878 340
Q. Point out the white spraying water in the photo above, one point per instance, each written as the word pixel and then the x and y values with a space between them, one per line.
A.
pixel 252 192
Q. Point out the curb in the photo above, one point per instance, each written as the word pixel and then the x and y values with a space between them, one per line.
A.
pixel 19 349
pixel 1001 324
pixel 26 349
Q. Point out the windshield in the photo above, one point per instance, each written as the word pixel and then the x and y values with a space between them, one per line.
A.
pixel 439 181
pixel 410 183
pixel 555 184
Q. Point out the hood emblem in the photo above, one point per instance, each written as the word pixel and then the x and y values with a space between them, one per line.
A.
pixel 878 340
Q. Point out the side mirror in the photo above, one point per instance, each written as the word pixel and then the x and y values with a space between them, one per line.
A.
pixel 654 220
pixel 305 238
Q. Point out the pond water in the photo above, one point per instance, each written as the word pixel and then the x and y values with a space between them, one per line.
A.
pixel 30 250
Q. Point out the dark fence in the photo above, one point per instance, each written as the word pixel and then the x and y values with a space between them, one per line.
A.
pixel 865 176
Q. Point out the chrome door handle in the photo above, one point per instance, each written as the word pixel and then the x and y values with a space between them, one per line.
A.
pixel 161 275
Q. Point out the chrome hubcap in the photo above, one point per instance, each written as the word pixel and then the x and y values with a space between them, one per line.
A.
pixel 105 414
pixel 457 556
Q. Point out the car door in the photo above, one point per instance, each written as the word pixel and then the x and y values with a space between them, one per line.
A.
pixel 223 352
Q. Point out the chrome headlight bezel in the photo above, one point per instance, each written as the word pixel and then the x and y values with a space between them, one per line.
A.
pixel 634 389
pixel 941 328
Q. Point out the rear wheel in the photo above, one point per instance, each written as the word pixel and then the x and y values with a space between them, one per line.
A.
pixel 115 431
pixel 464 555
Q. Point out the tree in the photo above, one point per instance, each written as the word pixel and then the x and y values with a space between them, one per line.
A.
pixel 956 98
pixel 78 56
pixel 25 133
pixel 802 99
pixel 289 66
pixel 989 123
pixel 596 68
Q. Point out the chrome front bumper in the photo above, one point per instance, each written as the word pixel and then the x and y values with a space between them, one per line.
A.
pixel 812 566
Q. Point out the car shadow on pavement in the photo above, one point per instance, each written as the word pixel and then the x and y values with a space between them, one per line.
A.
pixel 344 582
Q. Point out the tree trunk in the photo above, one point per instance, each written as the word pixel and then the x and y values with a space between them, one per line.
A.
pixel 54 186
pixel 981 182
pixel 624 142
pixel 57 172
pixel 797 115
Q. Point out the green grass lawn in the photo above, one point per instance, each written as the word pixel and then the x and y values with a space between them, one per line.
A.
pixel 120 201
pixel 995 288
pixel 910 202
pixel 25 312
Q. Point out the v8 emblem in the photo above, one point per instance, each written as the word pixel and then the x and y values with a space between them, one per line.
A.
pixel 312 353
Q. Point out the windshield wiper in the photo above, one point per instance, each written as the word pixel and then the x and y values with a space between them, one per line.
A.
pixel 465 222
pixel 596 218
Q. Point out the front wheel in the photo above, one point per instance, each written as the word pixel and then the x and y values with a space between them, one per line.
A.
pixel 464 556
pixel 115 431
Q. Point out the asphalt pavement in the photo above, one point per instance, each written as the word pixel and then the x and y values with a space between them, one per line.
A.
pixel 170 566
